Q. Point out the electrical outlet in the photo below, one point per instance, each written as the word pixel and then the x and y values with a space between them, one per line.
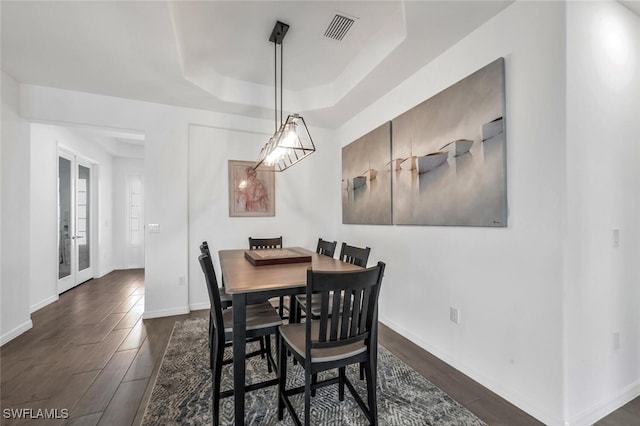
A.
pixel 454 315
pixel 615 236
pixel 181 281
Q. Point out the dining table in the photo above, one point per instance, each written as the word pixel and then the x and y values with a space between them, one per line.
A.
pixel 249 283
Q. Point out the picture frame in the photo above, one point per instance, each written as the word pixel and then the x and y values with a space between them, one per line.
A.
pixel 252 193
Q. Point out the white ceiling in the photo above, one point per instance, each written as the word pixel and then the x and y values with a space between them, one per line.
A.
pixel 633 5
pixel 216 55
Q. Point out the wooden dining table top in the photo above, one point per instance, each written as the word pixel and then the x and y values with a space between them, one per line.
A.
pixel 241 276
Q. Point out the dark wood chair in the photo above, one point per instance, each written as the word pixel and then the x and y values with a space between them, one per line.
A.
pixel 354 255
pixel 271 243
pixel 265 243
pixel 262 321
pixel 225 299
pixel 333 340
pixel 350 254
pixel 326 248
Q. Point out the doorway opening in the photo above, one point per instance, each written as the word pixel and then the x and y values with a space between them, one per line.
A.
pixel 75 219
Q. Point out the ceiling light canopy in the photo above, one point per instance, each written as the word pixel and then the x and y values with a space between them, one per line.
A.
pixel 291 141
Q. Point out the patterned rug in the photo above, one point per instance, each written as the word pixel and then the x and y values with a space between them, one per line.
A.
pixel 182 392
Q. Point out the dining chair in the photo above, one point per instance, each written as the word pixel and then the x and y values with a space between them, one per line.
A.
pixel 261 321
pixel 334 341
pixel 354 255
pixel 271 243
pixel 225 299
pixel 325 248
pixel 349 254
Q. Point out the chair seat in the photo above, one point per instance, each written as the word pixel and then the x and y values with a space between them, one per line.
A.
pixel 258 316
pixel 294 335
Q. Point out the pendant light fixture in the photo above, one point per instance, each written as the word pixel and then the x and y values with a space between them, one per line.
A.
pixel 291 141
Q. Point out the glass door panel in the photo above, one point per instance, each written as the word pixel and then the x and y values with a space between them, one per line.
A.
pixel 64 217
pixel 83 217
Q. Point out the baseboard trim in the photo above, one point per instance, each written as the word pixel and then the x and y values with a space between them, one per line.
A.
pixel 513 397
pixel 103 273
pixel 165 312
pixel 12 334
pixel 603 409
pixel 43 303
pixel 199 306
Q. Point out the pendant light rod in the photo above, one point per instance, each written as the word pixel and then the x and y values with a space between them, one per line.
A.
pixel 281 74
pixel 277 36
pixel 275 86
pixel 291 141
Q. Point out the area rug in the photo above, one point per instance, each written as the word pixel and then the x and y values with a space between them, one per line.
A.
pixel 182 392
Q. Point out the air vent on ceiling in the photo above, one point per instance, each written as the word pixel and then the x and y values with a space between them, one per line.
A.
pixel 338 27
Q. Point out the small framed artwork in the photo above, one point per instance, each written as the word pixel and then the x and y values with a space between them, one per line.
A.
pixel 252 193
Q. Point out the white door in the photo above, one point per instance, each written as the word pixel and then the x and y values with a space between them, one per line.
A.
pixel 74 221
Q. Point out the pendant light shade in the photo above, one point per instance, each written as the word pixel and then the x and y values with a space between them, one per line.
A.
pixel 290 144
pixel 291 141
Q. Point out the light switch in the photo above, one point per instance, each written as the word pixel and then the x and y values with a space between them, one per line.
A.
pixel 153 228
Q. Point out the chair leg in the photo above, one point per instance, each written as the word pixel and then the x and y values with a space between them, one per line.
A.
pixel 268 351
pixel 372 400
pixel 262 347
pixel 307 395
pixel 217 355
pixel 282 377
pixel 314 380
pixel 341 374
pixel 361 371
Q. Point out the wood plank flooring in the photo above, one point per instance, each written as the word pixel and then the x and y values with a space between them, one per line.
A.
pixel 91 354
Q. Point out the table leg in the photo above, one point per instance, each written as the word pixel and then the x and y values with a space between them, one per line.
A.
pixel 239 353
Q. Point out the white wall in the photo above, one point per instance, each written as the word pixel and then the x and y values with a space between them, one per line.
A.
pixel 166 170
pixel 301 206
pixel 602 291
pixel 44 219
pixel 506 283
pixel 45 140
pixel 14 195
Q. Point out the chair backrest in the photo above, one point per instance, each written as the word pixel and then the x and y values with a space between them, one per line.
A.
pixel 214 293
pixel 265 243
pixel 357 292
pixel 204 248
pixel 327 248
pixel 354 255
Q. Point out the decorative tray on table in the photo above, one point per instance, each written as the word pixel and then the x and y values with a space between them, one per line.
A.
pixel 275 256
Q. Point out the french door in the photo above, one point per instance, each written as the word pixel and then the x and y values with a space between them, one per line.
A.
pixel 74 221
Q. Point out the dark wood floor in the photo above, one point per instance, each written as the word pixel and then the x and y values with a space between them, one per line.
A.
pixel 91 354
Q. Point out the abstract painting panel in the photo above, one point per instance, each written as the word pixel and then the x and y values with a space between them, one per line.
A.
pixel 448 157
pixel 366 178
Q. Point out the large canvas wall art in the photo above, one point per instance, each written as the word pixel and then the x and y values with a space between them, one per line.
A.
pixel 449 155
pixel 366 178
